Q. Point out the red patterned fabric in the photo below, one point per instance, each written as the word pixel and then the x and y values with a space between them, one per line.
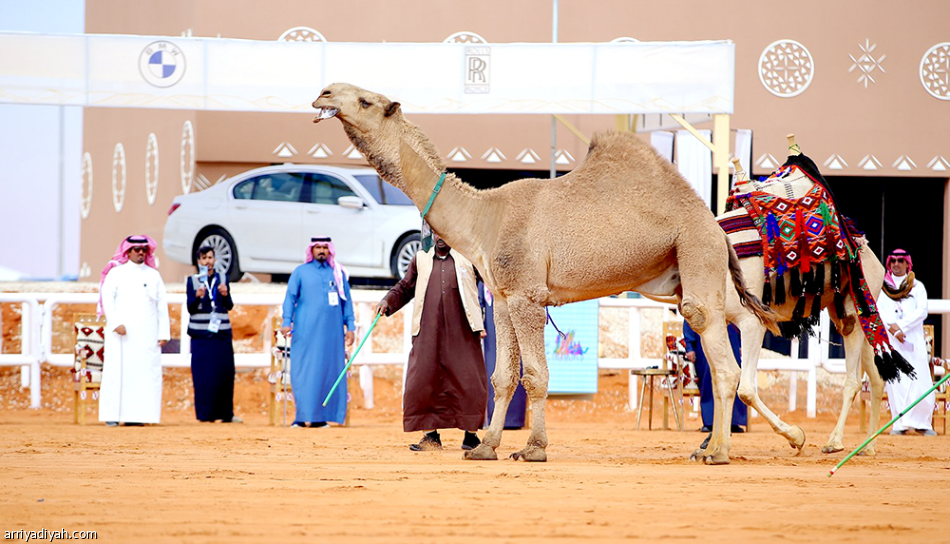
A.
pixel 799 233
pixel 90 345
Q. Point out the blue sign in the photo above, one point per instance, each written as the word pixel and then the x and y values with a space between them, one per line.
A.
pixel 572 357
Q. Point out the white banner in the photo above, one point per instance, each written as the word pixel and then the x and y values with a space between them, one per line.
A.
pixel 243 75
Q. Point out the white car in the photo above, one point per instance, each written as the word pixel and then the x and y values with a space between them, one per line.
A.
pixel 262 221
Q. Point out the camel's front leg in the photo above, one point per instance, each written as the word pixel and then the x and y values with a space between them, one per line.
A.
pixel 528 319
pixel 752 334
pixel 504 379
pixel 854 343
pixel 725 376
pixel 877 395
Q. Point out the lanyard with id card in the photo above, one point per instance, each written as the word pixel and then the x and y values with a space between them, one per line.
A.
pixel 332 296
pixel 215 324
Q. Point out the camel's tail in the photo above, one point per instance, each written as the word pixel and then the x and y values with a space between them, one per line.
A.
pixel 765 314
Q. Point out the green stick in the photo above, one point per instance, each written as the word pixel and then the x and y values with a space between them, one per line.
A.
pixel 884 428
pixel 337 382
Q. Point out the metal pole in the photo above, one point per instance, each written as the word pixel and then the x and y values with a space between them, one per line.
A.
pixel 62 196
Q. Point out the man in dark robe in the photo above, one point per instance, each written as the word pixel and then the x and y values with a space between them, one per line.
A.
pixel 446 384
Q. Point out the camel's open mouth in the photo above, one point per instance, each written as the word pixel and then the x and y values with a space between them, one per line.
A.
pixel 325 113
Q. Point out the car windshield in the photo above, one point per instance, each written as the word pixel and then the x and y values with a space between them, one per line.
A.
pixel 382 191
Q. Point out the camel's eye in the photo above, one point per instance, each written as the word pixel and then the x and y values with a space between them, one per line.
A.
pixel 365 103
pixel 326 93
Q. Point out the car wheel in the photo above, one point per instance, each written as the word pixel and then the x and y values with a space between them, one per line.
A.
pixel 225 252
pixel 405 250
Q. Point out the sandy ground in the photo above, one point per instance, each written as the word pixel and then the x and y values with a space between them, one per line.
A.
pixel 190 482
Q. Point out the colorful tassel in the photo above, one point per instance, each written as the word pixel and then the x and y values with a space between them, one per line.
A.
pixel 839 305
pixel 798 314
pixel 885 368
pixel 836 276
pixel 795 283
pixel 767 292
pixel 902 365
pixel 818 283
pixel 779 290
pixel 815 311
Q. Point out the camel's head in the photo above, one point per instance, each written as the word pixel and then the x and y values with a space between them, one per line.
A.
pixel 357 108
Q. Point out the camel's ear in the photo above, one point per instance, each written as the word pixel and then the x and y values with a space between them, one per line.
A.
pixel 392 108
pixel 414 167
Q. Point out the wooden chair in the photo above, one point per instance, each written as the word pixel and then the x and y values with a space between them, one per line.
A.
pixel 938 369
pixel 89 355
pixel 668 374
pixel 280 392
pixel 686 382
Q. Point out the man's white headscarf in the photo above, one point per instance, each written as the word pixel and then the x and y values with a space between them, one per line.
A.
pixel 339 272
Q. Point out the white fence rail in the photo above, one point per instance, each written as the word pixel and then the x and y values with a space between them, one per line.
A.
pixel 37 341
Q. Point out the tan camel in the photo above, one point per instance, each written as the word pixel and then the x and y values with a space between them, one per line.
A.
pixel 624 220
pixel 859 355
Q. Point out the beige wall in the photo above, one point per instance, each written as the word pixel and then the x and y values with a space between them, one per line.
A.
pixel 102 231
pixel 835 115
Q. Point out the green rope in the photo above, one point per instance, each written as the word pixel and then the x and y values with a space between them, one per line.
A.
pixel 435 191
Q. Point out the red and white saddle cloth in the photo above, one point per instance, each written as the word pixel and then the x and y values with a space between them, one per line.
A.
pixel 90 345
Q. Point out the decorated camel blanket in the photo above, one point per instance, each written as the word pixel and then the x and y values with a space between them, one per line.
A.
pixel 791 220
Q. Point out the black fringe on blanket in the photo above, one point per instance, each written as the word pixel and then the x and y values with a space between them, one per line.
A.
pixel 779 290
pixel 798 314
pixel 815 310
pixel 818 285
pixel 795 284
pixel 839 305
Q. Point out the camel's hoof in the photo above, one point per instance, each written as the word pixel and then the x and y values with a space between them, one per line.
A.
pixel 482 452
pixel 718 458
pixel 531 454
pixel 797 438
pixel 868 452
pixel 698 455
pixel 832 449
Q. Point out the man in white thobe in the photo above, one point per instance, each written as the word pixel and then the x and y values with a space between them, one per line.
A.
pixel 133 301
pixel 903 308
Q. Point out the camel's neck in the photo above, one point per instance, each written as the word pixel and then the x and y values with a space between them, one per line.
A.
pixel 460 214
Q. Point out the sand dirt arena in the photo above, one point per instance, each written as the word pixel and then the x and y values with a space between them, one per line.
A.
pixel 184 481
pixel 190 482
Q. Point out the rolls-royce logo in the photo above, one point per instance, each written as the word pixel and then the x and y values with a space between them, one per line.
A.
pixel 162 64
pixel 477 70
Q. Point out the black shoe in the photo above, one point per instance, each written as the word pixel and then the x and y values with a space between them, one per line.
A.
pixel 737 429
pixel 298 424
pixel 471 441
pixel 706 429
pixel 430 442
pixel 318 424
pixel 112 423
pixel 133 424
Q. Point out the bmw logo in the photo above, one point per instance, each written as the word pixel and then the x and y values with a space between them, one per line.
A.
pixel 162 64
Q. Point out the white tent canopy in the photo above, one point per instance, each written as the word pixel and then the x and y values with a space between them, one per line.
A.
pixel 243 75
